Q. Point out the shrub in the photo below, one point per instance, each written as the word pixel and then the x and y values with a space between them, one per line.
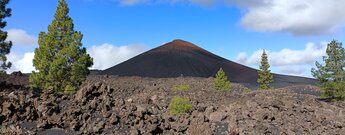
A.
pixel 221 82
pixel 181 87
pixel 179 105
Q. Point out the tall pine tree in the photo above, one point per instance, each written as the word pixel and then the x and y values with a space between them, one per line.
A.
pixel 61 61
pixel 265 76
pixel 331 76
pixel 5 46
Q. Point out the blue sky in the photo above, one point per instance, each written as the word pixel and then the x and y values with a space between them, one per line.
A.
pixel 234 29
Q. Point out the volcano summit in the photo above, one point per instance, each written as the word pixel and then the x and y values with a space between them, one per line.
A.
pixel 181 58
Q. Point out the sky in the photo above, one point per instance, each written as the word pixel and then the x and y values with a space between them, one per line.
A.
pixel 295 33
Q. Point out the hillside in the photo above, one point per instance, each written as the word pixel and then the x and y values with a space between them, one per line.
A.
pixel 181 58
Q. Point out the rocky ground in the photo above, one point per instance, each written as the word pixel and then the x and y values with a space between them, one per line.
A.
pixel 134 105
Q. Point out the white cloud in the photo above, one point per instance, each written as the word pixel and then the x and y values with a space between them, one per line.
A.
pixel 21 63
pixel 288 61
pixel 295 70
pixel 308 55
pixel 242 57
pixel 108 55
pixel 299 17
pixel 104 56
pixel 20 37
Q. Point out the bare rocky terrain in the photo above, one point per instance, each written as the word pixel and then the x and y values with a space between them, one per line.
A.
pixel 135 105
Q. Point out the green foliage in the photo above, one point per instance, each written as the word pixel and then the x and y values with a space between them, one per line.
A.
pixel 221 82
pixel 265 76
pixel 5 46
pixel 179 105
pixel 331 76
pixel 181 87
pixel 60 59
pixel 334 90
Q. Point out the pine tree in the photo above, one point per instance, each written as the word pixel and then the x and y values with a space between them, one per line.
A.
pixel 265 76
pixel 61 61
pixel 5 46
pixel 221 82
pixel 331 76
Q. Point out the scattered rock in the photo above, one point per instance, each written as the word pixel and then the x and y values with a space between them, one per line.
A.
pixel 8 109
pixel 154 98
pixel 134 131
pixel 130 100
pixel 135 106
pixel 199 127
pixel 217 116
pixel 12 96
pixel 98 127
pixel 113 119
pixel 42 124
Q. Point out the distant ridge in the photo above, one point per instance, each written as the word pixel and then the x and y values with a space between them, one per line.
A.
pixel 180 57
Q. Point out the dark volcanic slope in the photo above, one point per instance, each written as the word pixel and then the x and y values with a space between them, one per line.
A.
pixel 183 58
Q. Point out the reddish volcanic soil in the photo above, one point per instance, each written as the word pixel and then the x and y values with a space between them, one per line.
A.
pixel 181 58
